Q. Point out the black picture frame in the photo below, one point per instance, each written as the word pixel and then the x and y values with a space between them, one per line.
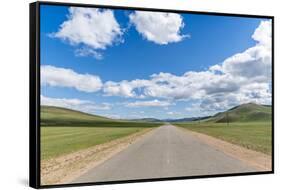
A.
pixel 34 93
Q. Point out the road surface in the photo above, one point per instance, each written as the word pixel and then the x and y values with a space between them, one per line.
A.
pixel 166 152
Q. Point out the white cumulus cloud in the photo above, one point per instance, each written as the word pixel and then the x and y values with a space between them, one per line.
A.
pixel 150 103
pixel 263 33
pixel 160 28
pixel 62 77
pixel 88 52
pixel 255 62
pixel 125 88
pixel 90 27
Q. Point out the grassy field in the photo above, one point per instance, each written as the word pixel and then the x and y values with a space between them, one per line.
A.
pixel 252 135
pixel 57 140
pixel 64 131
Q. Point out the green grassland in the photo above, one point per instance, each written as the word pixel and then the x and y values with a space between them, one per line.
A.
pixel 64 131
pixel 57 140
pixel 252 135
pixel 249 126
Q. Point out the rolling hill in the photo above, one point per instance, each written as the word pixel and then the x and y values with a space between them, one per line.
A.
pixel 57 116
pixel 249 112
pixel 51 115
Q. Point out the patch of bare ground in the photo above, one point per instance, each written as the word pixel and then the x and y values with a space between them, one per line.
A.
pixel 64 169
pixel 258 160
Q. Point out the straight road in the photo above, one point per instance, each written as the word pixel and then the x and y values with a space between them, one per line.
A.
pixel 166 152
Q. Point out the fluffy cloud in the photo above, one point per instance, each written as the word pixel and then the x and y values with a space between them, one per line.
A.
pixel 61 77
pixel 151 103
pixel 173 113
pixel 160 28
pixel 255 62
pixel 76 104
pixel 162 85
pixel 88 52
pixel 90 27
pixel 125 88
pixel 252 92
pixel 263 33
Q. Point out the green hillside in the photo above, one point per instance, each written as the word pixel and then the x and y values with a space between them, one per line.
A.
pixel 244 113
pixel 62 117
pixel 51 115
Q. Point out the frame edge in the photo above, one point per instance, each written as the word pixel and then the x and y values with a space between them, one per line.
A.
pixel 34 176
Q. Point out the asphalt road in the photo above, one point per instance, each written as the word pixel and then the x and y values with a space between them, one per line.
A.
pixel 166 152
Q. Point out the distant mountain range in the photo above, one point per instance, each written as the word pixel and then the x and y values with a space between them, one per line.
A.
pixel 186 119
pixel 241 113
pixel 169 120
pixel 146 120
pixel 250 112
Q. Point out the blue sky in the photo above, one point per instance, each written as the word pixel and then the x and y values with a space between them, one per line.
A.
pixel 129 64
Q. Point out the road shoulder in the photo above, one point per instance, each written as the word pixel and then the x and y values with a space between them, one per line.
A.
pixel 260 161
pixel 64 169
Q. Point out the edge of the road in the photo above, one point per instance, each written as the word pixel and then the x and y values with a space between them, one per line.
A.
pixel 258 160
pixel 66 168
